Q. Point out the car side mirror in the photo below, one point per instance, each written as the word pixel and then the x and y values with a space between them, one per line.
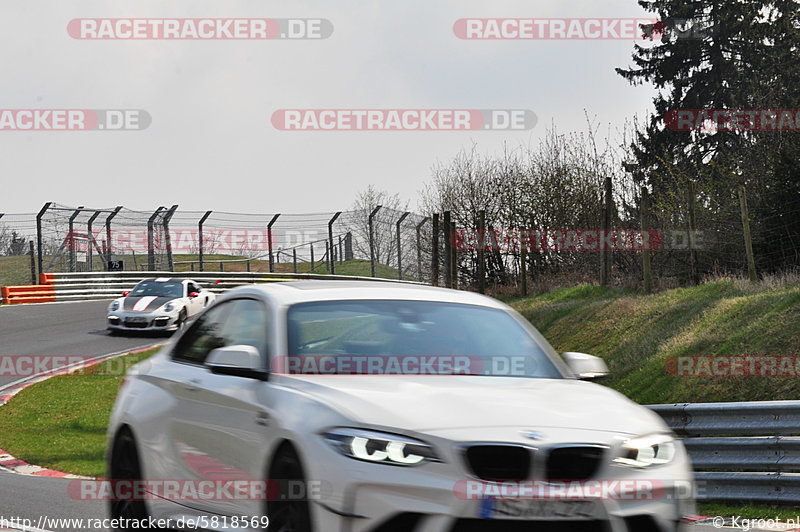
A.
pixel 125 293
pixel 237 360
pixel 193 294
pixel 586 367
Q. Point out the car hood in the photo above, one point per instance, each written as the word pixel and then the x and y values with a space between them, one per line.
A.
pixel 437 403
pixel 144 303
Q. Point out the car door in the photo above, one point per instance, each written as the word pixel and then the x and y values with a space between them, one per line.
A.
pixel 193 304
pixel 222 424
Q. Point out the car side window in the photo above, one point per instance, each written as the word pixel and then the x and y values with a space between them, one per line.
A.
pixel 192 288
pixel 207 333
pixel 248 324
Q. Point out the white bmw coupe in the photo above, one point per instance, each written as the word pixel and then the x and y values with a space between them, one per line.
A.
pixel 375 406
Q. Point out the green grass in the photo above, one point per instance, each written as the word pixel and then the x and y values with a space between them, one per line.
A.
pixel 636 334
pixel 15 270
pixel 749 511
pixel 61 423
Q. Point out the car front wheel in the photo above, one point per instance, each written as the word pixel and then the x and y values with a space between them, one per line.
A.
pixel 287 515
pixel 125 467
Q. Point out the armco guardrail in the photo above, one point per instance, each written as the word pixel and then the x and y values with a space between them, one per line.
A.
pixel 741 451
pixel 108 285
pixel 27 294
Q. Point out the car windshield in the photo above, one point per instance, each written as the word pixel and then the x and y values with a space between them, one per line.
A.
pixel 410 338
pixel 158 288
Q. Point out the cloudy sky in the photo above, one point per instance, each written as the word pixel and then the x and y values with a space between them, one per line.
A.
pixel 211 144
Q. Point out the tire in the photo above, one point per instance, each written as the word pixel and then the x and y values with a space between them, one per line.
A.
pixel 288 515
pixel 181 319
pixel 125 466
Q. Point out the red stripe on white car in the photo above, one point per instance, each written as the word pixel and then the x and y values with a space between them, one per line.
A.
pixel 143 303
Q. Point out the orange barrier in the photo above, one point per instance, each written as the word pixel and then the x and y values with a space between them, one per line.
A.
pixel 47 278
pixel 36 293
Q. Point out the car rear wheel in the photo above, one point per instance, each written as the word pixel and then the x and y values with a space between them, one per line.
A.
pixel 125 466
pixel 288 515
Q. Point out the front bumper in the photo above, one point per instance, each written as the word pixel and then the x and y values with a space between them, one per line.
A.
pixel 381 498
pixel 142 321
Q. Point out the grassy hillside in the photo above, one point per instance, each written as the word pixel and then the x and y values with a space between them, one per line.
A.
pixel 15 270
pixel 637 334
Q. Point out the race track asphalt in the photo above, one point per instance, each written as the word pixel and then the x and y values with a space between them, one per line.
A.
pixel 55 330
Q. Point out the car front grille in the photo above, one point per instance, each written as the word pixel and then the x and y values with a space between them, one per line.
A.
pixel 137 324
pixel 499 462
pixel 574 462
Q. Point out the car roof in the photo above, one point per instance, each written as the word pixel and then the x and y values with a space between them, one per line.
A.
pixel 291 292
pixel 164 280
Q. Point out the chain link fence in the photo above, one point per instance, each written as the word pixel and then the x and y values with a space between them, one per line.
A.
pixel 166 238
pixel 617 236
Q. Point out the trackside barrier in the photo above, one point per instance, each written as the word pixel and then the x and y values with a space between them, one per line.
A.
pixel 28 294
pixel 747 451
pixel 81 286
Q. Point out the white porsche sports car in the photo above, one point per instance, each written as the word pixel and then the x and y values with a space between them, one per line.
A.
pixel 374 406
pixel 160 304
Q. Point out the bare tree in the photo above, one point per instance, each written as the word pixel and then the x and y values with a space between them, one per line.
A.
pixel 384 229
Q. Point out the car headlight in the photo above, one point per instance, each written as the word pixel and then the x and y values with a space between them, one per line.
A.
pixel 169 306
pixel 113 306
pixel 380 447
pixel 646 451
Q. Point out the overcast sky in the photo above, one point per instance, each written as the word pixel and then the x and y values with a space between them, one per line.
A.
pixel 211 144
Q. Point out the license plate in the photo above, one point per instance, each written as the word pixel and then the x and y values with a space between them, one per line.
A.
pixel 135 319
pixel 534 509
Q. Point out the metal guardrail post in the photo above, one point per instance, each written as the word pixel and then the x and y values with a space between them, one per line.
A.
pixel 90 236
pixel 33 260
pixel 151 245
pixel 330 239
pixel 372 239
pixel 269 242
pixel 435 250
pixel 71 236
pixel 481 252
pixel 167 218
pixel 39 250
pixel 400 246
pixel 448 251
pixel 110 248
pixel 200 242
pixel 419 248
